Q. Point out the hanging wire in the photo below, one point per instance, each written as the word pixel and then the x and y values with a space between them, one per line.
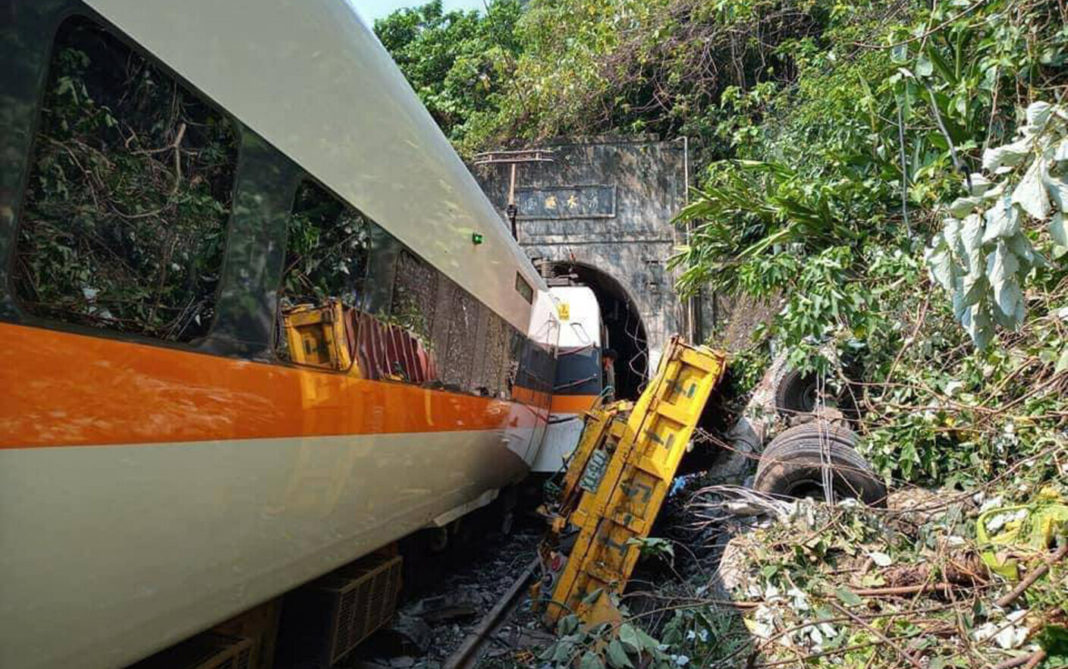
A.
pixel 826 464
pixel 640 345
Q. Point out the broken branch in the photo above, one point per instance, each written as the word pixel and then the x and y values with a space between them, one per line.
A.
pixel 1035 574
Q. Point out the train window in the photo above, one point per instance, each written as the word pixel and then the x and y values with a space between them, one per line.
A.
pixel 422 328
pixel 124 216
pixel 327 249
pixel 523 288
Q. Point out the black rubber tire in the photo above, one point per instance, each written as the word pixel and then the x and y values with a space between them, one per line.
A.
pixel 796 393
pixel 791 465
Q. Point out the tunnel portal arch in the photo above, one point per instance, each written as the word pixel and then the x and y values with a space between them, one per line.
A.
pixel 621 319
pixel 603 209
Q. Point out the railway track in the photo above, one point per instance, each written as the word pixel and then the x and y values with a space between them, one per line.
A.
pixel 467 655
pixel 459 600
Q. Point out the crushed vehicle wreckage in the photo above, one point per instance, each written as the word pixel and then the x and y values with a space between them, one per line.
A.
pixel 816 562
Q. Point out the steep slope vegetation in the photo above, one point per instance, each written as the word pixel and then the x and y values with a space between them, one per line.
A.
pixel 894 177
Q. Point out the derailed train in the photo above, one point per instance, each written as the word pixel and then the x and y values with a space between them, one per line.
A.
pixel 177 182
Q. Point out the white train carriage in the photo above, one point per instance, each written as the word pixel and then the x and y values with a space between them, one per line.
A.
pixel 178 179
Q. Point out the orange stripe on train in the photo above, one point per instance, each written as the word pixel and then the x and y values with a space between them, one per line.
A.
pixel 63 389
pixel 572 403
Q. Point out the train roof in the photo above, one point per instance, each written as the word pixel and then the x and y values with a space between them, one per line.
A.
pixel 313 80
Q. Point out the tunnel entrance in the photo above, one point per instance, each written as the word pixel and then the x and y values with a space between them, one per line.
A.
pixel 623 325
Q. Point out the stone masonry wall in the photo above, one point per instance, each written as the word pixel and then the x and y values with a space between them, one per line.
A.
pixel 606 204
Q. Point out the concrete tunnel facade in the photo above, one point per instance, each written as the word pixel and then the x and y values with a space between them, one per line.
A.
pixel 602 211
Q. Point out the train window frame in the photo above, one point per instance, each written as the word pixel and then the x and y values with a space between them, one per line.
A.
pixel 525 290
pixel 278 335
pixel 23 314
pixel 366 220
pixel 514 342
pixel 263 232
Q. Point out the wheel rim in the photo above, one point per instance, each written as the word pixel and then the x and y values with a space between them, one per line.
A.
pixel 807 398
pixel 807 488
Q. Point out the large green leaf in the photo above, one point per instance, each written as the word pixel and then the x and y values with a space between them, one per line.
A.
pixel 617 655
pixel 1031 192
pixel 628 635
pixel 979 326
pixel 590 660
pixel 1038 114
pixel 940 263
pixel 971 240
pixel 1002 221
pixel 1058 191
pixel 1001 269
pixel 1006 156
pixel 1058 230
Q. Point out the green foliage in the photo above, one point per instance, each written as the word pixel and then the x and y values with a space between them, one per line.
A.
pixel 655 547
pixel 745 369
pixel 640 66
pixel 836 178
pixel 985 259
pixel 327 249
pixel 545 68
pixel 459 63
pixel 1054 640
pixel 621 646
pixel 704 634
pixel 126 205
pixel 846 128
pixel 746 210
pixel 811 577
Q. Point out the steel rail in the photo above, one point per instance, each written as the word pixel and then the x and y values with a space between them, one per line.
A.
pixel 467 654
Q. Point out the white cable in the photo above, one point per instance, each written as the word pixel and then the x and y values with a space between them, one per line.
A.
pixel 826 464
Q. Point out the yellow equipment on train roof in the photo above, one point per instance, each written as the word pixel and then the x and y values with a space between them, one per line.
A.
pixel 616 481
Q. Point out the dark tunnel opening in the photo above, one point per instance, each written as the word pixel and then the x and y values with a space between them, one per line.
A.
pixel 623 325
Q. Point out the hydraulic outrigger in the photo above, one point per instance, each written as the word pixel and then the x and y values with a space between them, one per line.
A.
pixel 615 483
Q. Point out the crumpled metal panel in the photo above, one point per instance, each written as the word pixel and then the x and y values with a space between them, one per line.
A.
pixel 617 481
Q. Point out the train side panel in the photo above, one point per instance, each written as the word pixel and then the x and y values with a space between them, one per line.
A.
pixel 146 531
pixel 152 485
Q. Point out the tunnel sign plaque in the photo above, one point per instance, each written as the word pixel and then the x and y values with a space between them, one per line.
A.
pixel 564 202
